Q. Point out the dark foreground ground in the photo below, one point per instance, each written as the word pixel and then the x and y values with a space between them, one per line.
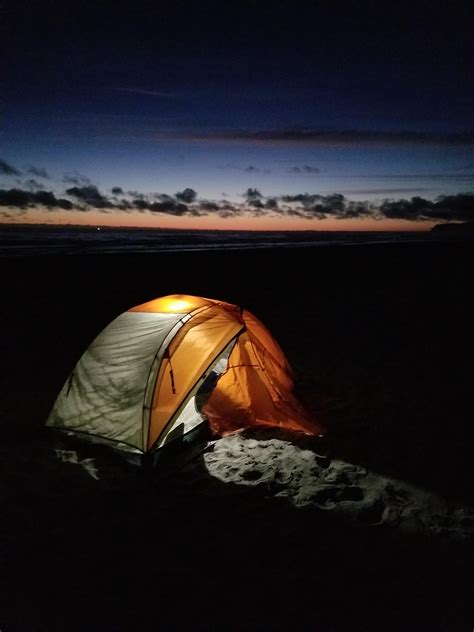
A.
pixel 380 338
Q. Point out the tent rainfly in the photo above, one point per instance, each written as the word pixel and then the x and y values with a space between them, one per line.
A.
pixel 161 369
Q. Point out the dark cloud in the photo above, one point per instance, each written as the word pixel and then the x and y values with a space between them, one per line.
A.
pixel 255 203
pixel 76 178
pixel 141 204
pixel 161 94
pixel 252 194
pixel 18 198
pixel 164 197
pixel 171 208
pixel 91 196
pixel 305 170
pixel 311 206
pixel 411 176
pixel 339 137
pixel 7 169
pixel 39 172
pixel 188 196
pixel 314 206
pixel 32 184
pixel 458 207
pixel 13 215
pixel 47 198
pixel 248 169
pixel 124 205
pixel 167 205
pixel 355 210
pixel 226 213
pixel 271 203
pixel 136 194
pixel 386 191
pixel 205 205
pixel 306 199
pixel 294 212
pixel 414 209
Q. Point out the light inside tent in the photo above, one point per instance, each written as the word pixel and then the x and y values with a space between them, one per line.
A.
pixel 177 305
pixel 173 304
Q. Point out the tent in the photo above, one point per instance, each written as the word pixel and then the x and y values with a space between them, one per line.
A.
pixel 161 369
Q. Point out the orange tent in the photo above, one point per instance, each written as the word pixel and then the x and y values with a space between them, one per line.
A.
pixel 164 367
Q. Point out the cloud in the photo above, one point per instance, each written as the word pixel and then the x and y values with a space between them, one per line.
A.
pixel 386 191
pixel 248 169
pixel 32 184
pixel 255 203
pixel 331 137
pixel 459 207
pixel 140 204
pixel 310 206
pixel 18 198
pixel 252 194
pixel 206 205
pixel 163 197
pixel 40 173
pixel 167 204
pixel 76 178
pixel 306 199
pixel 7 169
pixel 172 208
pixel 304 170
pixel 187 195
pixel 315 206
pixel 271 203
pixel 354 210
pixel 136 194
pixel 91 196
pixel 161 94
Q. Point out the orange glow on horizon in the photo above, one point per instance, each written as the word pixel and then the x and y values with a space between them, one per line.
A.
pixel 137 220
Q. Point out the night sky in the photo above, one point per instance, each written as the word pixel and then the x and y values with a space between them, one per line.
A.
pixel 238 115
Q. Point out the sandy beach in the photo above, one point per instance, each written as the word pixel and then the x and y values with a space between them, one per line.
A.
pixel 371 528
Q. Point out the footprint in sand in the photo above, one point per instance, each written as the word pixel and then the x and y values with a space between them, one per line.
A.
pixel 330 496
pixel 252 475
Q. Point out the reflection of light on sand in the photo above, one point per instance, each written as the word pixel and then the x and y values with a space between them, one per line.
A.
pixel 70 456
pixel 286 470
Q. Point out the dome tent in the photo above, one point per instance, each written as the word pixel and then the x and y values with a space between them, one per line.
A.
pixel 138 385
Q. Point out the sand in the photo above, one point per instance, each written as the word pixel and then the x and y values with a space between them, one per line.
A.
pixel 371 528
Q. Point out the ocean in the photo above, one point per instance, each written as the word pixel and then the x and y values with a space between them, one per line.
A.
pixel 33 240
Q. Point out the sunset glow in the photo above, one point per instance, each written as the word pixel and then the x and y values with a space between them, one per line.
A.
pixel 255 120
pixel 97 219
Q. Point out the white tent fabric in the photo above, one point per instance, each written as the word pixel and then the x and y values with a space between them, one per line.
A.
pixel 104 395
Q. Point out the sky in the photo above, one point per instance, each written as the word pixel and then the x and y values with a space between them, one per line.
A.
pixel 316 116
